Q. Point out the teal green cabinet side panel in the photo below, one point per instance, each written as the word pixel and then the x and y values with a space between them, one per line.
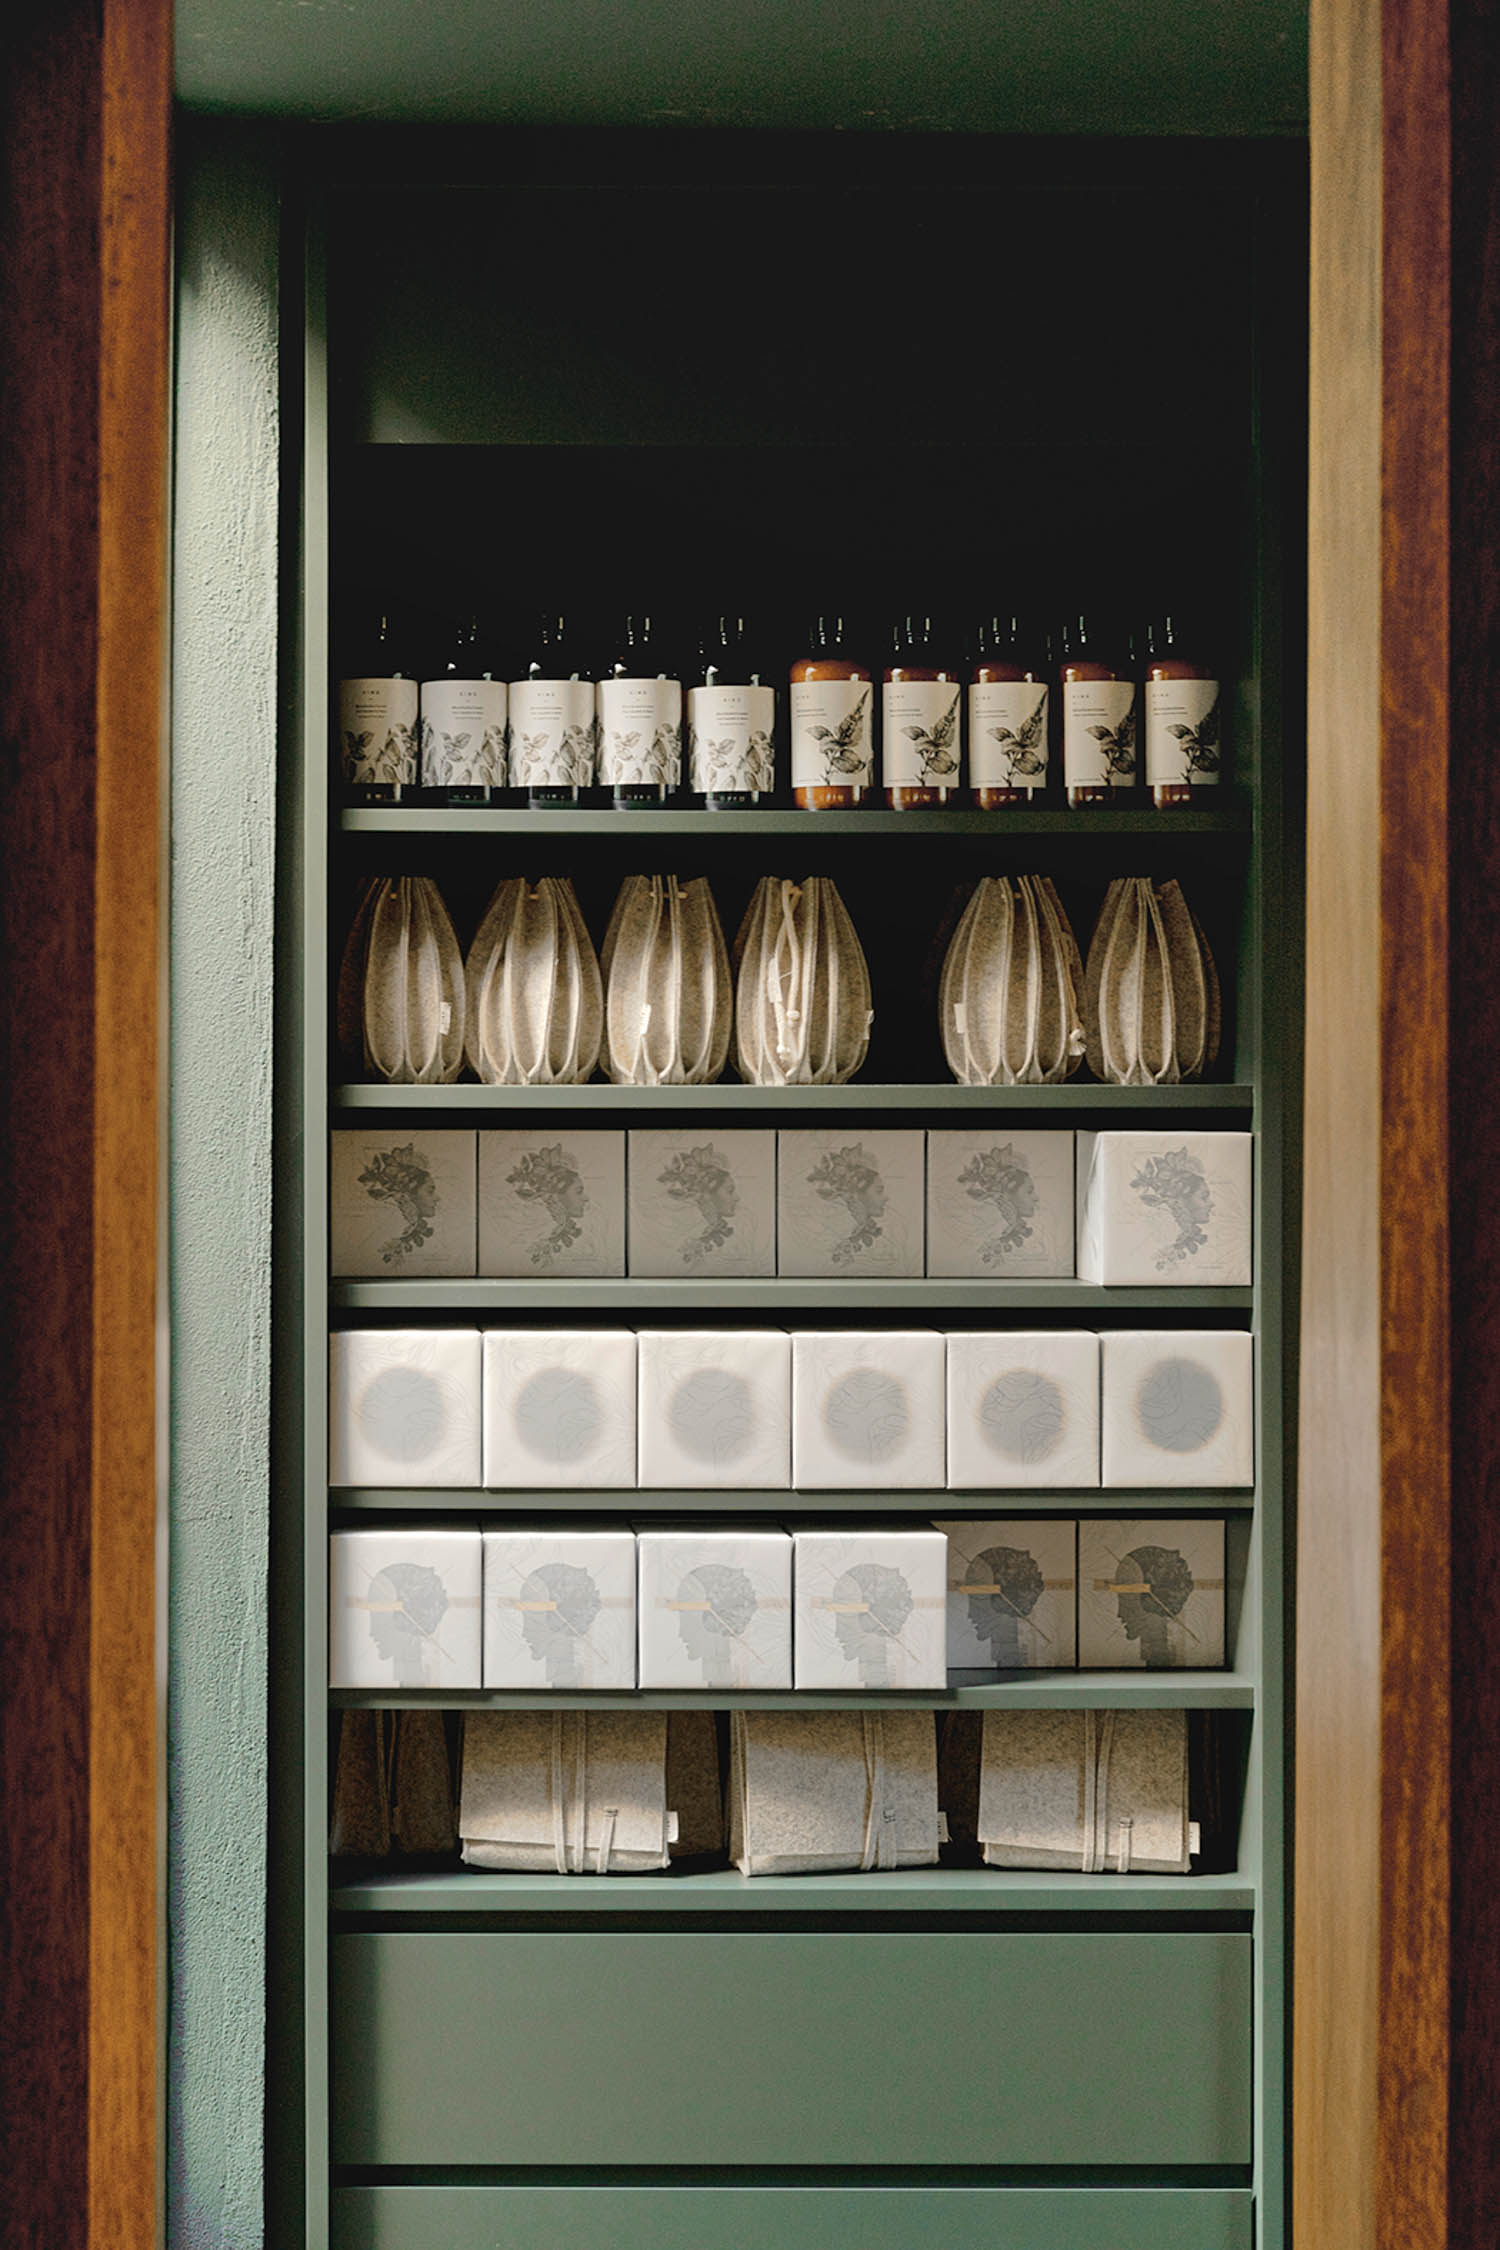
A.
pixel 777 2049
pixel 769 2218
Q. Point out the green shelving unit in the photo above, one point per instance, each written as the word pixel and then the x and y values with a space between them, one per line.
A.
pixel 911 2061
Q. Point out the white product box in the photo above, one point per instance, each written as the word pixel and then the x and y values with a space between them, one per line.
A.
pixel 867 1409
pixel 559 1606
pixel 559 1407
pixel 715 1608
pixel 403 1406
pixel 870 1609
pixel 715 1408
pixel 1000 1203
pixel 849 1202
pixel 1013 1594
pixel 552 1204
pixel 702 1203
pixel 1151 1593
pixel 1023 1410
pixel 402 1204
pixel 1178 1407
pixel 404 1608
pixel 1164 1207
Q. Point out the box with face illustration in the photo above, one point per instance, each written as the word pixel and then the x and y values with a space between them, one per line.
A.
pixel 559 1408
pixel 403 1406
pixel 1023 1409
pixel 870 1608
pixel 715 1408
pixel 1000 1203
pixel 552 1205
pixel 715 1606
pixel 850 1202
pixel 702 1204
pixel 1178 1407
pixel 1012 1594
pixel 404 1607
pixel 1167 1208
pixel 559 1606
pixel 867 1409
pixel 401 1205
pixel 1151 1594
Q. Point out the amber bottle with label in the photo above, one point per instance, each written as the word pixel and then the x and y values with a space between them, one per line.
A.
pixel 1009 714
pixel 1099 711
pixel 833 722
pixel 921 719
pixel 1184 723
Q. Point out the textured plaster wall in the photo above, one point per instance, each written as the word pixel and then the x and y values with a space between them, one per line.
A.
pixel 223 806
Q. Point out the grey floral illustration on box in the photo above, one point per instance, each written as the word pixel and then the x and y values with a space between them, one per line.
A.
pixel 850 1176
pixel 633 761
pixel 716 1606
pixel 870 1605
pixel 844 748
pixel 407 1603
pixel 1003 1586
pixel 936 746
pixel 558 1604
pixel 722 763
pixel 1117 743
pixel 465 757
pixel 365 760
pixel 550 1176
pixel 1002 1177
pixel 1200 744
pixel 1152 1587
pixel 1177 1183
pixel 403 1176
pixel 701 1176
pixel 571 764
pixel 1024 748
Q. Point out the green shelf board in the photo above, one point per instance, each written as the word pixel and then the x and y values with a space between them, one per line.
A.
pixel 1033 1691
pixel 775 1296
pixel 905 1890
pixel 1161 1102
pixel 656 1500
pixel 1101 824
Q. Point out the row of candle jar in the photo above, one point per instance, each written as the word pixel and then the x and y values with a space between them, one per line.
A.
pixel 634 729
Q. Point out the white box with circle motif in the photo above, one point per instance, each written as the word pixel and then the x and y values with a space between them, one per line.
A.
pixel 559 1408
pixel 403 1406
pixel 715 1408
pixel 867 1409
pixel 1023 1409
pixel 1178 1407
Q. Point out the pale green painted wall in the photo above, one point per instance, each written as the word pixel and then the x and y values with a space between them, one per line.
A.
pixel 223 838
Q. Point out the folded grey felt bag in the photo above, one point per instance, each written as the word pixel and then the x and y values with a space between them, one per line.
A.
pixel 565 1792
pixel 815 1791
pixel 1105 1792
pixel 1151 994
pixel 802 994
pixel 400 1003
pixel 668 999
pixel 535 996
pixel 1008 1000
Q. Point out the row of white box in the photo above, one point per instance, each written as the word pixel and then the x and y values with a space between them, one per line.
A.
pixel 1168 1208
pixel 577 1606
pixel 752 1409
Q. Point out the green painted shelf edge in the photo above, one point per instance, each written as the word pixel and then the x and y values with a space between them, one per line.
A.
pixel 781 1294
pixel 906 1890
pixel 1160 1103
pixel 653 1500
pixel 1071 1691
pixel 1085 825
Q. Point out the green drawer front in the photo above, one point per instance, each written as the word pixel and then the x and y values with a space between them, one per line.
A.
pixel 791 2048
pixel 790 2219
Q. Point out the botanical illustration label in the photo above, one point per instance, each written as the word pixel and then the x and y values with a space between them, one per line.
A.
pixel 731 735
pixel 832 736
pixel 1184 741
pixel 1099 728
pixel 378 731
pixel 921 733
pixel 554 736
pixel 640 729
pixel 463 734
pixel 1008 734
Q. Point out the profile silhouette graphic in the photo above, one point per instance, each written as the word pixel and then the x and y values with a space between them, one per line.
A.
pixel 851 1176
pixel 550 1176
pixel 1003 1586
pixel 407 1602
pixel 1152 1586
pixel 870 1603
pixel 715 1605
pixel 701 1177
pixel 558 1603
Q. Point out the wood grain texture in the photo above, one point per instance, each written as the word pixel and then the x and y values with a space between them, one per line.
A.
pixel 1416 1552
pixel 128 1582
pixel 1337 1904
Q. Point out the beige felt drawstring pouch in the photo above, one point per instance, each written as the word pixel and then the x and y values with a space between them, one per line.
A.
pixel 802 1000
pixel 668 1001
pixel 565 1792
pixel 814 1791
pixel 1009 995
pixel 401 985
pixel 1151 1002
pixel 1102 1792
pixel 535 997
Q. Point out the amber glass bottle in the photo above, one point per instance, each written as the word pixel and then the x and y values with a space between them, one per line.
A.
pixel 1009 713
pixel 1184 725
pixel 921 719
pixel 833 727
pixel 1098 709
